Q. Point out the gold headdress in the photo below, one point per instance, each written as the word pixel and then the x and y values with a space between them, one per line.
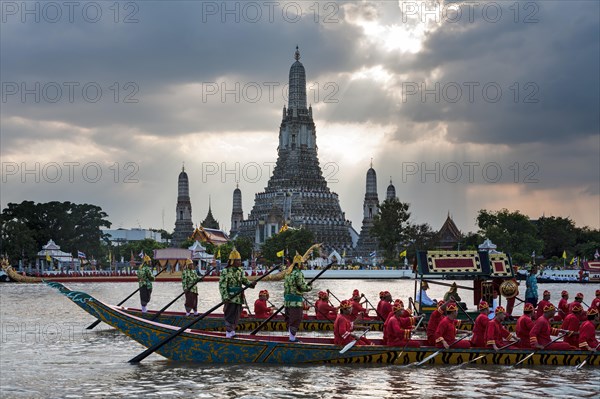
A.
pixel 301 259
pixel 234 255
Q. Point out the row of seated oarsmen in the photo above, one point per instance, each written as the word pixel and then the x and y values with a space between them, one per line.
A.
pixel 564 306
pixel 444 324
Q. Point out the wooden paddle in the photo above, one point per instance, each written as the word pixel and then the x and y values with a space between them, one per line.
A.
pixel 180 295
pixel 428 358
pixel 94 324
pixel 276 312
pixel 448 284
pixel 463 310
pixel 482 356
pixel 371 305
pixel 586 359
pixel 247 306
pixel 353 342
pixel 537 350
pixel 189 324
pixel 333 295
pixel 414 306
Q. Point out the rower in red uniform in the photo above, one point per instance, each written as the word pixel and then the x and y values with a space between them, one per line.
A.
pixel 542 304
pixel 571 323
pixel 480 327
pixel 323 309
pixel 261 308
pixel 398 304
pixel 398 328
pixel 445 334
pixel 542 330
pixel 596 302
pixel 578 300
pixel 563 306
pixel 524 326
pixel 587 331
pixel 343 327
pixel 384 307
pixel 357 309
pixel 434 321
pixel 496 335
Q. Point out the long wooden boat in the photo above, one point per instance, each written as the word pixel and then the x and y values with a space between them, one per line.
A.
pixel 213 347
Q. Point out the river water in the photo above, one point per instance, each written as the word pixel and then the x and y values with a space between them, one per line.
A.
pixel 46 352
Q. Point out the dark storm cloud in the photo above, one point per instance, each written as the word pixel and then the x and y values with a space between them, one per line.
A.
pixel 554 61
pixel 173 44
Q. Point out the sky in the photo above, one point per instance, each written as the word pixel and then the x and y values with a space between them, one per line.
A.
pixel 463 105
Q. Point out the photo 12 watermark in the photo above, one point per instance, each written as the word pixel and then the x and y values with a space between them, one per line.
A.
pixel 273 92
pixel 54 12
pixel 470 92
pixel 470 172
pixel 253 172
pixel 48 332
pixel 69 172
pixel 252 12
pixel 69 92
pixel 470 11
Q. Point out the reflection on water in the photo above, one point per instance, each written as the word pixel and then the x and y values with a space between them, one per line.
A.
pixel 47 352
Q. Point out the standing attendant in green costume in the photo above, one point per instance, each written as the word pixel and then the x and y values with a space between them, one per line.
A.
pixel 230 284
pixel 145 279
pixel 189 278
pixel 294 286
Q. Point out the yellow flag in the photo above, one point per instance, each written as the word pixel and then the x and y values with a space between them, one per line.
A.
pixel 219 253
pixel 48 258
pixel 403 253
pixel 564 255
pixel 572 261
pixel 280 253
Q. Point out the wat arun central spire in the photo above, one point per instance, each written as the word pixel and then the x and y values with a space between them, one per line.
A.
pixel 297 87
pixel 297 193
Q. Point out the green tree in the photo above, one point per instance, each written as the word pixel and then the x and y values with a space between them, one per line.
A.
pixel 75 227
pixel 512 232
pixel 392 227
pixel 587 241
pixel 558 234
pixel 17 241
pixel 291 240
pixel 472 241
pixel 187 243
pixel 422 236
